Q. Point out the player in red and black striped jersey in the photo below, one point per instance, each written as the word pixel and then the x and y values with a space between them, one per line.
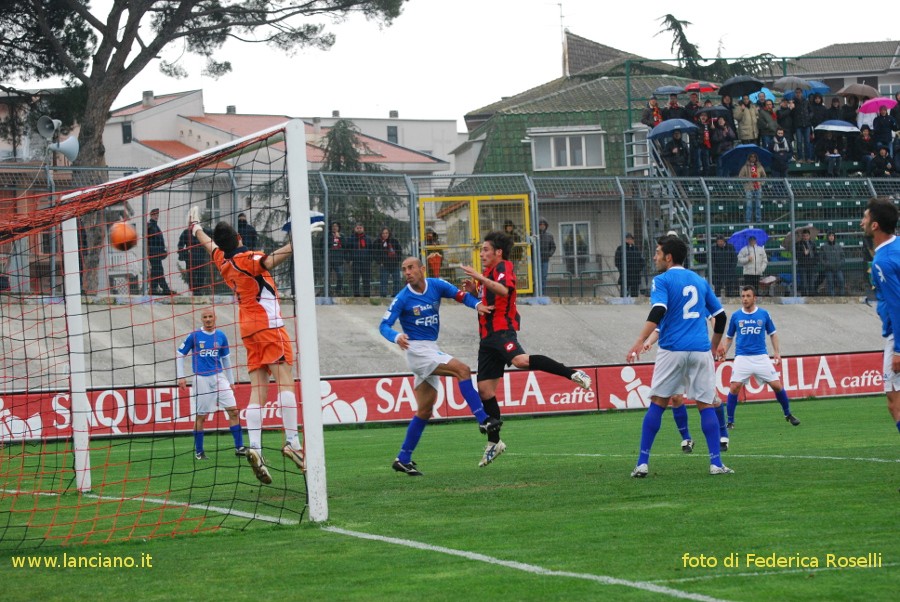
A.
pixel 500 346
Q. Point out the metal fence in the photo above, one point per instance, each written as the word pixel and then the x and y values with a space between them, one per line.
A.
pixel 572 232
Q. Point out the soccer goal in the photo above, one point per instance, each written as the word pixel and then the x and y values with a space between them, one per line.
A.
pixel 100 287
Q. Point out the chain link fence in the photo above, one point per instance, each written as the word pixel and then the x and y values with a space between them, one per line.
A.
pixel 576 237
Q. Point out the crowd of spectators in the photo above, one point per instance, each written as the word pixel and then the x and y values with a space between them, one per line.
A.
pixel 788 131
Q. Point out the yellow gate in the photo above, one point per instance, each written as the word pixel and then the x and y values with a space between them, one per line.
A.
pixel 453 228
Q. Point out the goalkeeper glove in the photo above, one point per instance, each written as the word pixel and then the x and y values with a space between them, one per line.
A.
pixel 193 218
pixel 316 223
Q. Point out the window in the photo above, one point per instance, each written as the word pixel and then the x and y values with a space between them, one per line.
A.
pixel 576 245
pixel 889 89
pixel 574 147
pixel 392 134
pixel 126 133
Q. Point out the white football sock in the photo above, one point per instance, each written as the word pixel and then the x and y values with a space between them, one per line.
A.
pixel 254 426
pixel 288 403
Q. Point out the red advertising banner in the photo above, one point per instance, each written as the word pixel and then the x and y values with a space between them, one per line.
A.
pixel 166 410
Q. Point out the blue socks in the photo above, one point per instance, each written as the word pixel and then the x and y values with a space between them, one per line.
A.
pixel 732 406
pixel 720 416
pixel 198 441
pixel 652 421
pixel 413 434
pixel 473 400
pixel 898 426
pixel 782 398
pixel 238 436
pixel 710 425
pixel 680 414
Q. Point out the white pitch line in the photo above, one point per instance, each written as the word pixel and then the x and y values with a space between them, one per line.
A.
pixel 730 455
pixel 759 574
pixel 162 502
pixel 528 568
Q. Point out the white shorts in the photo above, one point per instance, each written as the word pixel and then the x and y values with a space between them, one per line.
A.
pixel 692 373
pixel 891 378
pixel 423 358
pixel 760 366
pixel 212 392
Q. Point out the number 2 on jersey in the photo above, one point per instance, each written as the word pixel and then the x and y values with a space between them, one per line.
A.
pixel 686 313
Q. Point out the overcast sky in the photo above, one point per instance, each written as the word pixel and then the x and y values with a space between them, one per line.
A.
pixel 443 58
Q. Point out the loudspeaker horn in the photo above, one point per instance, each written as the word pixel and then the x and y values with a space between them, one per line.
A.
pixel 68 148
pixel 47 126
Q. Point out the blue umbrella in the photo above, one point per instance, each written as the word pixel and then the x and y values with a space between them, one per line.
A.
pixel 740 238
pixel 734 160
pixel 815 88
pixel 667 127
pixel 666 90
pixel 765 92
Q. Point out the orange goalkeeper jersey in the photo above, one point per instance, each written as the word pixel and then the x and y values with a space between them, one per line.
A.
pixel 254 288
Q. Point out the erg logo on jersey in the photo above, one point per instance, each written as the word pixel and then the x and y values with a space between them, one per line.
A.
pixel 428 320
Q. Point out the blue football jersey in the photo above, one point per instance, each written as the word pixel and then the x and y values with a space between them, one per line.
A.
pixel 750 330
pixel 419 313
pixel 206 350
pixel 688 300
pixel 886 280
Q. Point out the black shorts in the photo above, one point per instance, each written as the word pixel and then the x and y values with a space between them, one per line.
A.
pixel 496 352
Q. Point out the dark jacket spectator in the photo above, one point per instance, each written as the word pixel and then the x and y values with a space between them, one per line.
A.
pixel 883 128
pixel 723 137
pixel 676 153
pixel 635 264
pixel 849 110
pixel 785 115
pixel 864 146
pixel 196 261
pixel 359 252
pixel 882 166
pixel 818 112
pixel 724 267
pixel 248 233
pixel 673 110
pixel 337 245
pixel 156 253
pixel 835 111
pixel 801 113
pixel 781 150
pixel 389 256
pixel 728 103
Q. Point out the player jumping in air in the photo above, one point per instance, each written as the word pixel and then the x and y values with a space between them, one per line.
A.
pixel 269 350
pixel 749 326
pixel 680 301
pixel 499 342
pixel 417 307
pixel 213 379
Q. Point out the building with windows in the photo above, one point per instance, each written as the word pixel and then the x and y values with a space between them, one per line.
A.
pixel 434 137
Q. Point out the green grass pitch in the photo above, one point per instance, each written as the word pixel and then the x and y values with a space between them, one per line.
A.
pixel 557 517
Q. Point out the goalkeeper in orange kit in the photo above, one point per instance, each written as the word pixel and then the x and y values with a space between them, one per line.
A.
pixel 269 350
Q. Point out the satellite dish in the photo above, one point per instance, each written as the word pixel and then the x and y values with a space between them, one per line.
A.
pixel 47 127
pixel 68 148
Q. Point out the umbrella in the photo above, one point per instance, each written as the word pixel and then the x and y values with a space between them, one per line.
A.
pixel 733 160
pixel 815 88
pixel 701 87
pixel 788 242
pixel 873 105
pixel 666 90
pixel 836 125
pixel 858 90
pixel 740 238
pixel 667 127
pixel 716 111
pixel 790 82
pixel 766 94
pixel 739 85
